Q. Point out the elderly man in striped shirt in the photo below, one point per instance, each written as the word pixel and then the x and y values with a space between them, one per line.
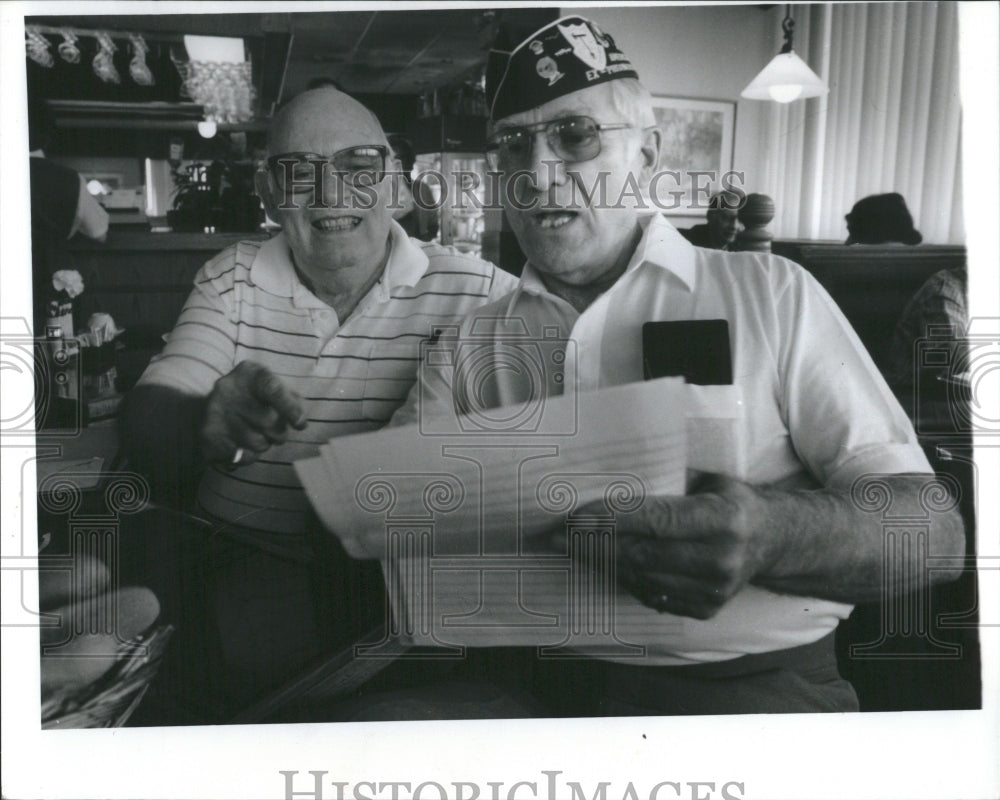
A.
pixel 282 345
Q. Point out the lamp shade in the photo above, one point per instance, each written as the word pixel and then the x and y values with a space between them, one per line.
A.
pixel 785 79
pixel 223 49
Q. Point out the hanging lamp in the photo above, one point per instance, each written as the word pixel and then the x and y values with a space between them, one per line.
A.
pixel 787 77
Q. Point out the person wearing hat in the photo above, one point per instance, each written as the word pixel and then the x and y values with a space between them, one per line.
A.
pixel 748 575
pixel 881 219
pixel 938 308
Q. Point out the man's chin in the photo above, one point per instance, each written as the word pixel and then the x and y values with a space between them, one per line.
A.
pixel 545 245
pixel 559 262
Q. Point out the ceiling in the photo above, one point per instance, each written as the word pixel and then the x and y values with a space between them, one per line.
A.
pixel 382 52
pixel 369 52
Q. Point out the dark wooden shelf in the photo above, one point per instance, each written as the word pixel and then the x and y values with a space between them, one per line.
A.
pixel 145 241
pixel 254 126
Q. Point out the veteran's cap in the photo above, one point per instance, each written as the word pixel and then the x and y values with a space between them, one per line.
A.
pixel 564 56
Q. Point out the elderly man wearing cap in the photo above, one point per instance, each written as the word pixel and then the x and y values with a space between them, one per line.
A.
pixel 750 573
pixel 282 345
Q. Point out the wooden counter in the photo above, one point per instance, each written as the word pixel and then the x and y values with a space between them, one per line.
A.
pixel 142 279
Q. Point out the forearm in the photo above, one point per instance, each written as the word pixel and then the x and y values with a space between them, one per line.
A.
pixel 159 430
pixel 827 544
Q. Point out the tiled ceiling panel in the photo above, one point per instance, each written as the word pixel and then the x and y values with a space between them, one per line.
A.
pixel 399 52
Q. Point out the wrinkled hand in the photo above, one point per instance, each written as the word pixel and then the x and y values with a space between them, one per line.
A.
pixel 250 408
pixel 690 555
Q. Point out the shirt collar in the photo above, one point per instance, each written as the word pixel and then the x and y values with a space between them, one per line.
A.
pixel 407 262
pixel 660 246
pixel 274 272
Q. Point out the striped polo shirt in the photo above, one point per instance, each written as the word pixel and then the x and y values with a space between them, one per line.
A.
pixel 248 304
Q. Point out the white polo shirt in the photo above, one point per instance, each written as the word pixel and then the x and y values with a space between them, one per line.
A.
pixel 818 412
pixel 248 303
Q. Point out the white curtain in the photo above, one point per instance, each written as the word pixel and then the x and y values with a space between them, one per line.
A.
pixel 891 122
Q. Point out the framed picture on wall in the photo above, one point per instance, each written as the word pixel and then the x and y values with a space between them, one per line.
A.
pixel 696 151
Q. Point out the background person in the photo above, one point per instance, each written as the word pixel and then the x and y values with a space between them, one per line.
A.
pixel 61 207
pixel 939 306
pixel 938 312
pixel 419 221
pixel 722 222
pixel 881 219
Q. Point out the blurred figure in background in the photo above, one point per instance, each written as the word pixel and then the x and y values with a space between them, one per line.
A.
pixel 937 311
pixel 939 306
pixel 881 219
pixel 418 220
pixel 722 224
pixel 61 207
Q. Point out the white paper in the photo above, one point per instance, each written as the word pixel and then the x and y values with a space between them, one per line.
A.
pixel 475 529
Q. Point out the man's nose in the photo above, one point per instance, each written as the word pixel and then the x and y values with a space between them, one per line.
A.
pixel 547 168
pixel 336 190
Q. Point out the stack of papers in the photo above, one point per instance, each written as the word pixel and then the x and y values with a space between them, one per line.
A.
pixel 478 529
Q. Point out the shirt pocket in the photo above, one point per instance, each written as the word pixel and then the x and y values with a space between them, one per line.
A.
pixel 391 372
pixel 716 429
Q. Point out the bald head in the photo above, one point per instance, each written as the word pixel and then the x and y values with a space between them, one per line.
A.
pixel 332 225
pixel 313 115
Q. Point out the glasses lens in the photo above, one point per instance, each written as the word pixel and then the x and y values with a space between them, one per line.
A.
pixel 511 149
pixel 296 174
pixel 575 138
pixel 572 139
pixel 360 166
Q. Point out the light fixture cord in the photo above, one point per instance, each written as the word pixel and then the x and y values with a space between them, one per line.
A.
pixel 788 27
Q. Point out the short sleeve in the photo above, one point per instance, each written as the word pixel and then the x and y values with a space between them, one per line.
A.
pixel 843 419
pixel 202 346
pixel 432 392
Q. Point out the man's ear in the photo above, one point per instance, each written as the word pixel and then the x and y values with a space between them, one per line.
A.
pixel 394 167
pixel 649 150
pixel 262 183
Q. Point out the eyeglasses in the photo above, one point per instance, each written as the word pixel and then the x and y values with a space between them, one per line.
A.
pixel 570 138
pixel 357 166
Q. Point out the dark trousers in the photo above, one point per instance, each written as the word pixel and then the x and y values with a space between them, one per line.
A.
pixel 508 682
pixel 796 680
pixel 251 610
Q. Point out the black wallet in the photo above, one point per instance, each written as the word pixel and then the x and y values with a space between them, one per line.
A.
pixel 696 350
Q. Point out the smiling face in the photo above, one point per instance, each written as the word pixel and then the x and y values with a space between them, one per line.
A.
pixel 571 230
pixel 352 231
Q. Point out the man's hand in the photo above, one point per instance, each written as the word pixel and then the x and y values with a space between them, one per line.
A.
pixel 249 409
pixel 689 555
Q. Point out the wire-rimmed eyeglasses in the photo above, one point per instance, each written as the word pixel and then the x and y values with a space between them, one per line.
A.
pixel 572 139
